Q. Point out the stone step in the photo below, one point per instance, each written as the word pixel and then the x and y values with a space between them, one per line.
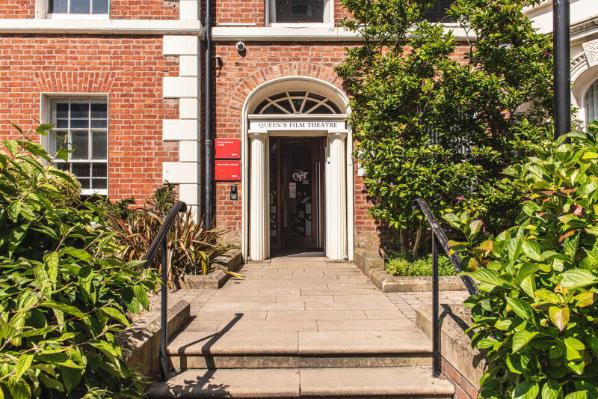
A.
pixel 389 382
pixel 299 349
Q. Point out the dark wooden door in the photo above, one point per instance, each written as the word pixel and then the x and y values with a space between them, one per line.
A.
pixel 297 173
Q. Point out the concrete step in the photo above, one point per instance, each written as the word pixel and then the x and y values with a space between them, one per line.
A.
pixel 299 349
pixel 389 382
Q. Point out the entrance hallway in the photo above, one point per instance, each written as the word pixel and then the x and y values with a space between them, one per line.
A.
pixel 301 326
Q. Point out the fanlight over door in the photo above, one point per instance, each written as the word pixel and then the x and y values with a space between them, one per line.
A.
pixel 297 102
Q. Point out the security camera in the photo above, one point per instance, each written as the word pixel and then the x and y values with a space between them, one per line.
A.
pixel 240 47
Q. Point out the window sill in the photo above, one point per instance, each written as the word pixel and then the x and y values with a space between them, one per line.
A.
pixel 301 25
pixel 89 192
pixel 78 16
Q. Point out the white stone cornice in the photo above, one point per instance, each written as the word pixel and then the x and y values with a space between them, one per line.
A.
pixel 101 26
pixel 303 34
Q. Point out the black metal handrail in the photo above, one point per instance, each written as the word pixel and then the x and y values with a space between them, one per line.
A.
pixel 439 236
pixel 160 242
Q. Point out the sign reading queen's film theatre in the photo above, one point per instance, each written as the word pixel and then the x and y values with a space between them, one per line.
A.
pixel 325 125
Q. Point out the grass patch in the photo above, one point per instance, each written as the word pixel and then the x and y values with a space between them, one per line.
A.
pixel 404 266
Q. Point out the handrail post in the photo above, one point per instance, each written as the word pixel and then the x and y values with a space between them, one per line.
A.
pixel 161 242
pixel 436 367
pixel 164 313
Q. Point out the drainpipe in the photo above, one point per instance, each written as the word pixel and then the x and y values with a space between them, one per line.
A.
pixel 209 131
pixel 562 73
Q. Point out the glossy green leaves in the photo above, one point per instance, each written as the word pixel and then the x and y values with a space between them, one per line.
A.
pixel 539 280
pixel 64 290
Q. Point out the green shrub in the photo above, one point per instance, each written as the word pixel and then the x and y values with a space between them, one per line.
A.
pixel 405 266
pixel 64 292
pixel 536 315
pixel 436 127
pixel 191 248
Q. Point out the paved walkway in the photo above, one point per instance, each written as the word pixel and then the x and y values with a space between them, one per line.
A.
pixel 315 281
pixel 300 326
pixel 300 294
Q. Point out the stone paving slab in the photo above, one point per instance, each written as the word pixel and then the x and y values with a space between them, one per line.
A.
pixel 364 325
pixel 317 315
pixel 359 382
pixel 226 383
pixel 234 342
pixel 407 302
pixel 376 382
pixel 363 342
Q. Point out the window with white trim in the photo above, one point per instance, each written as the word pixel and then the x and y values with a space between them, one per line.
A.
pixel 78 7
pixel 591 103
pixel 81 126
pixel 300 11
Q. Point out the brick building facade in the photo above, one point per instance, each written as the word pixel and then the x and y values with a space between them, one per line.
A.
pixel 124 83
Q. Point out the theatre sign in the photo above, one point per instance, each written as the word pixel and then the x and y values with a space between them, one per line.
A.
pixel 265 126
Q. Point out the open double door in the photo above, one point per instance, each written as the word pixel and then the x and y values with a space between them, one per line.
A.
pixel 296 194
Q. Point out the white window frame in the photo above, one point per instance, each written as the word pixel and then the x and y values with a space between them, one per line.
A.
pixel 48 113
pixel 68 15
pixel 328 17
pixel 585 105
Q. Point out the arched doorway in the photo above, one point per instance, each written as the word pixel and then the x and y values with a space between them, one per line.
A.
pixel 297 168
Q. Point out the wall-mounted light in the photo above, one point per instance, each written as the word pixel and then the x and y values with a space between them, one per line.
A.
pixel 234 193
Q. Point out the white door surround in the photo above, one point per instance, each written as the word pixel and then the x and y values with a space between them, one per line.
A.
pixel 257 128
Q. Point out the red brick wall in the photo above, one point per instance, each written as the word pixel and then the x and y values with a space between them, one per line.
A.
pixel 144 9
pixel 128 69
pixel 463 388
pixel 340 12
pixel 17 8
pixel 254 12
pixel 239 76
pixel 119 9
pixel 240 11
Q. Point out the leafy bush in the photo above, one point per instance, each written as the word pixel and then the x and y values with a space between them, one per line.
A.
pixel 536 314
pixel 404 266
pixel 437 126
pixel 64 292
pixel 191 248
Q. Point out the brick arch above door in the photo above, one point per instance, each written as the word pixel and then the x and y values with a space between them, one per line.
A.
pixel 324 73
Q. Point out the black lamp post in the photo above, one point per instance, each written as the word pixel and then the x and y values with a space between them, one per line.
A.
pixel 562 74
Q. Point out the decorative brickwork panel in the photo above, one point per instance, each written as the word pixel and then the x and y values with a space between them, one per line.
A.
pixel 128 70
pixel 17 9
pixel 144 9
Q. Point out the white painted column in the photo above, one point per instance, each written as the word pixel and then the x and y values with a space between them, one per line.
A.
pixel 336 197
pixel 259 229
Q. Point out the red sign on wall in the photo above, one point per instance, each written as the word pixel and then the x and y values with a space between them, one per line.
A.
pixel 228 170
pixel 228 149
